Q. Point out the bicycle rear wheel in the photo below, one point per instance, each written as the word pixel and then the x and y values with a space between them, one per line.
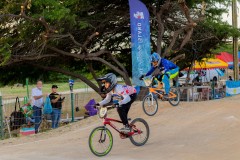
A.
pixel 100 141
pixel 139 139
pixel 150 105
pixel 174 101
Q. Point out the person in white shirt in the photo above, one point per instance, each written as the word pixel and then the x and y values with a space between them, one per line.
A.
pixel 127 93
pixel 37 103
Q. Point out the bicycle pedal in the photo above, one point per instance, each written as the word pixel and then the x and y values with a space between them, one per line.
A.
pixel 123 135
pixel 165 99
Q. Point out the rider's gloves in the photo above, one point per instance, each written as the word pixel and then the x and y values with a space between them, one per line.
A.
pixel 96 105
pixel 141 77
pixel 161 68
pixel 115 103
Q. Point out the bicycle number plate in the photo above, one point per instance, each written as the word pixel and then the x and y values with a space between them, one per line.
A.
pixel 147 81
pixel 102 112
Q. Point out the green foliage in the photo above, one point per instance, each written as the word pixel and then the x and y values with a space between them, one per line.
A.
pixel 110 18
pixel 221 29
pixel 5 54
pixel 225 47
pixel 52 10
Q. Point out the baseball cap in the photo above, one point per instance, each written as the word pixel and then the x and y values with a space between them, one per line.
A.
pixel 54 86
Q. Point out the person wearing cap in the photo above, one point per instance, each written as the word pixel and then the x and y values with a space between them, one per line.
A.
pixel 56 102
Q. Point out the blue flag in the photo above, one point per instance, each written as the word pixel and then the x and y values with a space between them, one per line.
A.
pixel 232 88
pixel 140 38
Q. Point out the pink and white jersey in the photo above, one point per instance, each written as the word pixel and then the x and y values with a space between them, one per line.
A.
pixel 121 90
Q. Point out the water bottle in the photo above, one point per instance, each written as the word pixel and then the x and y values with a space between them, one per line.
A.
pixel 67 116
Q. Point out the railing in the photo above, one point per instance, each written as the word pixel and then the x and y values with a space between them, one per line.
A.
pixel 193 93
pixel 81 98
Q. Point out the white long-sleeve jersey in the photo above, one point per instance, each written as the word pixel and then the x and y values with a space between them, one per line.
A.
pixel 121 90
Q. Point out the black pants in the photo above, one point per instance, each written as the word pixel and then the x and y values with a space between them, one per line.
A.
pixel 123 109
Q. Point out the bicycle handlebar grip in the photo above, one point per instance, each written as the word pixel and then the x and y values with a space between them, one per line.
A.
pixel 141 77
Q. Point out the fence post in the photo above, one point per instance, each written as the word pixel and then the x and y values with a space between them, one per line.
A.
pixel 1 118
pixel 72 106
pixel 71 83
pixel 27 88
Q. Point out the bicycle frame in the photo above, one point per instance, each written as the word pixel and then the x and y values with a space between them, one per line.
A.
pixel 157 90
pixel 108 121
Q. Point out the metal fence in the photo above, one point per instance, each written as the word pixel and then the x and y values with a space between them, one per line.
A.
pixel 12 122
pixel 201 93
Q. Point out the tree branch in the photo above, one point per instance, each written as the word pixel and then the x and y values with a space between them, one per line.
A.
pixel 78 56
pixel 99 53
pixel 186 38
pixel 90 67
pixel 88 40
pixel 178 57
pixel 19 58
pixel 160 25
pixel 185 10
pixel 106 63
pixel 59 70
pixel 125 76
pixel 189 29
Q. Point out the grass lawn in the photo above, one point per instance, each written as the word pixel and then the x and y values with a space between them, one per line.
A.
pixel 10 91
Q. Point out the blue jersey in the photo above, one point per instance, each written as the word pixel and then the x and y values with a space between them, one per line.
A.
pixel 165 65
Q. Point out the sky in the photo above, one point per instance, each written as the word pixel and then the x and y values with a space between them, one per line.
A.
pixel 228 16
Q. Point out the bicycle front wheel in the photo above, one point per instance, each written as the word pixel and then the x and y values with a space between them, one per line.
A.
pixel 150 105
pixel 174 101
pixel 100 141
pixel 141 128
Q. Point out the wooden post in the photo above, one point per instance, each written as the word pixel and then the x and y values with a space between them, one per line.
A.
pixel 235 40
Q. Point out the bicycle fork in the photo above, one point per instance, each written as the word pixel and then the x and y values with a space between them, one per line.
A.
pixel 103 135
pixel 151 99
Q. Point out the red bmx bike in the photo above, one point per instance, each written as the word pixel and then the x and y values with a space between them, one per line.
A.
pixel 101 139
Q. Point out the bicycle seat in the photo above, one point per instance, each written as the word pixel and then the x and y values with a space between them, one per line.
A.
pixel 129 119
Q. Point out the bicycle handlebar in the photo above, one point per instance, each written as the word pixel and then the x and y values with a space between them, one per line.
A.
pixel 108 105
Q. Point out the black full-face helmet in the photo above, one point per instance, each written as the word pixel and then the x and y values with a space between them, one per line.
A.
pixel 111 78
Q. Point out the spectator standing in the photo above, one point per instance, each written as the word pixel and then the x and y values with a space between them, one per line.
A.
pixel 37 103
pixel 197 80
pixel 56 102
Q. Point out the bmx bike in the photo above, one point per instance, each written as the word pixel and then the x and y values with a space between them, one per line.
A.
pixel 150 101
pixel 101 139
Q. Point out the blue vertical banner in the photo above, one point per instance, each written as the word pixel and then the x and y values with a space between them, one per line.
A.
pixel 140 39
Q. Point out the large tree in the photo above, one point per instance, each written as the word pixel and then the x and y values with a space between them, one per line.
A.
pixel 60 36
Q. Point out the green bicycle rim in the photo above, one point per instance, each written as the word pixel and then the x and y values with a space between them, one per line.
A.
pixel 109 147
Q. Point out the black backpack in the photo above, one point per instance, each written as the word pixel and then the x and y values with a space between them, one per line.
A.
pixel 17 117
